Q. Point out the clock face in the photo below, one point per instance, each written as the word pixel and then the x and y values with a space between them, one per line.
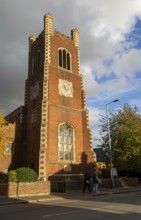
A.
pixel 65 88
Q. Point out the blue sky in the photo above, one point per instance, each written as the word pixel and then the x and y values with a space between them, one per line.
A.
pixel 110 49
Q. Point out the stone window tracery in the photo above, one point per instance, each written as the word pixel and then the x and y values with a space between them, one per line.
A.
pixel 65 142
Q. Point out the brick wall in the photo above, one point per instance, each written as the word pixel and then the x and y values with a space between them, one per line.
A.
pixel 120 182
pixel 5 158
pixel 25 189
pixel 45 188
pixel 77 185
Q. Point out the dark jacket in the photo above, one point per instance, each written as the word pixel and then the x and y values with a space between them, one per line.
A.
pixel 95 178
pixel 87 179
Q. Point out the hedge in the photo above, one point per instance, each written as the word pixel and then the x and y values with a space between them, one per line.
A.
pixel 22 174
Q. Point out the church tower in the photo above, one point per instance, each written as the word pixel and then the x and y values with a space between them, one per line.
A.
pixel 58 137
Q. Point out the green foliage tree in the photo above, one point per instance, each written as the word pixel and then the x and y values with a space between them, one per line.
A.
pixel 125 131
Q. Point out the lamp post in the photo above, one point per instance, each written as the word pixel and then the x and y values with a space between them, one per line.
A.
pixel 109 139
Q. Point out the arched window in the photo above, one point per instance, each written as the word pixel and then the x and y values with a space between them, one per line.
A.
pixel 36 62
pixel 64 59
pixel 65 142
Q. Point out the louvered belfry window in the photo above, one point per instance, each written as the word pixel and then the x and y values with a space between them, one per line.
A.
pixel 64 59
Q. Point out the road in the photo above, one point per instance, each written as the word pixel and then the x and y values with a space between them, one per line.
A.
pixel 88 207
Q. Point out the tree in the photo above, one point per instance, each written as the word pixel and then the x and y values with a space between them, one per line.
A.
pixel 125 131
pixel 2 120
pixel 2 134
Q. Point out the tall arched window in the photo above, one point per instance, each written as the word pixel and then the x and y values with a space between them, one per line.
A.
pixel 36 62
pixel 64 59
pixel 65 142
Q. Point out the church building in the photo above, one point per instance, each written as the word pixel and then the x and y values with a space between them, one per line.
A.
pixel 56 140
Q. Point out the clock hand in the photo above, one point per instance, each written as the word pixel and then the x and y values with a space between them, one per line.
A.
pixel 66 87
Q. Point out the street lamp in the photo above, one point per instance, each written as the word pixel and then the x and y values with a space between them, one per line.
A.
pixel 109 138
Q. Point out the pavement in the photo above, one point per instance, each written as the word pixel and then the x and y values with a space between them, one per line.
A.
pixel 68 195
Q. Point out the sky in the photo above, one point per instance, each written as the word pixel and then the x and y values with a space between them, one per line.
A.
pixel 110 50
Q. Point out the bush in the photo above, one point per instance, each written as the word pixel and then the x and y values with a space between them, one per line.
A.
pixel 26 175
pixel 12 176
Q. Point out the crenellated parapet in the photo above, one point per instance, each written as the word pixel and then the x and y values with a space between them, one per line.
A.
pixel 62 36
pixel 16 116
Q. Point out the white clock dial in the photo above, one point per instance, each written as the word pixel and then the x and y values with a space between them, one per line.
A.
pixel 65 88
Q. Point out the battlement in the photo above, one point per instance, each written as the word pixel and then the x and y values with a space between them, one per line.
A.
pixel 48 29
pixel 63 36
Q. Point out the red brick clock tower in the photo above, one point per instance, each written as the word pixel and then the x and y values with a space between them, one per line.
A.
pixel 58 138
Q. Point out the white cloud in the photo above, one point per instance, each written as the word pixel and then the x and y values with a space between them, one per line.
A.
pixel 128 64
pixel 111 16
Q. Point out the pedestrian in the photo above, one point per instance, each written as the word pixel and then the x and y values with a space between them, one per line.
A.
pixel 87 183
pixel 95 182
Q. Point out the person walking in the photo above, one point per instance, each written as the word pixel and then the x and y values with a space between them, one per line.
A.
pixel 87 183
pixel 95 182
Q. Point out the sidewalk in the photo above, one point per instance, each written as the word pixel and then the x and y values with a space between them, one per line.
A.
pixel 68 195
